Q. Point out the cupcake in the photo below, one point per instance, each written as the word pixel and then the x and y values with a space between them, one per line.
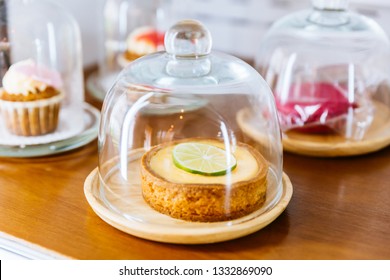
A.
pixel 142 41
pixel 30 99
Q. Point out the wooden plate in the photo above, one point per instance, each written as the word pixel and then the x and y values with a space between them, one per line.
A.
pixel 137 218
pixel 376 138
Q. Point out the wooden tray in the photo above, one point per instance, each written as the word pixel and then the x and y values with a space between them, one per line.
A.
pixel 377 137
pixel 163 228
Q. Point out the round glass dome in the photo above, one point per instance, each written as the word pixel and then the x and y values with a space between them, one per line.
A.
pixel 189 135
pixel 42 95
pixel 328 68
pixel 132 28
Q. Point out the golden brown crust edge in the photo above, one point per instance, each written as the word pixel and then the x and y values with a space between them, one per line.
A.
pixel 203 203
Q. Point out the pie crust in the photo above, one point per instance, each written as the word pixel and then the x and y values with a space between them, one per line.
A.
pixel 193 197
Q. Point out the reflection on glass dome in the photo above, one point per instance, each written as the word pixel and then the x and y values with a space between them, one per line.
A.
pixel 42 96
pixel 180 138
pixel 132 29
pixel 328 68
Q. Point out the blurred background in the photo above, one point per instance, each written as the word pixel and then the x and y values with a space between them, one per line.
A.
pixel 237 26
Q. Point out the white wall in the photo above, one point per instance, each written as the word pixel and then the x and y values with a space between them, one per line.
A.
pixel 88 13
pixel 236 25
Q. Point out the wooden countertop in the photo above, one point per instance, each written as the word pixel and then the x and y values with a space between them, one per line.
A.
pixel 340 209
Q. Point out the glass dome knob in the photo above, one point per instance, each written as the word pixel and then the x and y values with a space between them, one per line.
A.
pixel 330 4
pixel 188 38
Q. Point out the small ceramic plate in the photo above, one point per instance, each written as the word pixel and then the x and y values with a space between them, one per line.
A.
pixel 86 134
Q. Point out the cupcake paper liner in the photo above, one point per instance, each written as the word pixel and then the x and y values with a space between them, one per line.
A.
pixel 31 118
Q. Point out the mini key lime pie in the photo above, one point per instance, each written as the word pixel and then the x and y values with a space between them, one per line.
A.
pixel 198 180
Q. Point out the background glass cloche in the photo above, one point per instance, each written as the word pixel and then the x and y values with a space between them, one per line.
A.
pixel 130 29
pixel 42 95
pixel 329 69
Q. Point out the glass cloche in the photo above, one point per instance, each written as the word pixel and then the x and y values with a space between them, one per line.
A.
pixel 180 140
pixel 132 28
pixel 329 70
pixel 42 97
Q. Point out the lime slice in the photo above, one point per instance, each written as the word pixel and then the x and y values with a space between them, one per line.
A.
pixel 203 159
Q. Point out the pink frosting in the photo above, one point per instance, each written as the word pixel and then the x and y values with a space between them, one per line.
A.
pixel 26 74
pixel 39 73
